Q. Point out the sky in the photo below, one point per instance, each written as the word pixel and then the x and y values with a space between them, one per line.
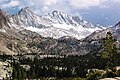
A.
pixel 104 12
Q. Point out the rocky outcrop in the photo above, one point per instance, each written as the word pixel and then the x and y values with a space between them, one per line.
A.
pixel 116 78
pixel 5 70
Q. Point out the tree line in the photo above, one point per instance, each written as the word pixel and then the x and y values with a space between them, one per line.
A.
pixel 106 57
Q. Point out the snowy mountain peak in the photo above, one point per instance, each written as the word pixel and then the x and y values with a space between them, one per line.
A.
pixel 26 10
pixel 59 13
pixel 100 26
pixel 3 13
pixel 58 17
pixel 55 12
pixel 4 19
pixel 118 24
pixel 56 24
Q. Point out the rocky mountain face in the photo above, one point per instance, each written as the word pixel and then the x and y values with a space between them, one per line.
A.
pixel 27 35
pixel 56 24
pixel 115 30
pixel 15 39
pixel 32 43
pixel 16 36
pixel 97 35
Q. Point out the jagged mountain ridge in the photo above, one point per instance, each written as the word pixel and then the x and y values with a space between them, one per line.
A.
pixel 15 39
pixel 115 30
pixel 97 35
pixel 56 24
pixel 62 18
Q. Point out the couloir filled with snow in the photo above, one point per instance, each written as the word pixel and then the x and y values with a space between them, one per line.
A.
pixel 60 30
pixel 56 24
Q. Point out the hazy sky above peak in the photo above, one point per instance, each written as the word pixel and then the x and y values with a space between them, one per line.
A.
pixel 105 12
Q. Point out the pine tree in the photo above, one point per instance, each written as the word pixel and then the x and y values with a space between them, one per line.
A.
pixel 109 50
